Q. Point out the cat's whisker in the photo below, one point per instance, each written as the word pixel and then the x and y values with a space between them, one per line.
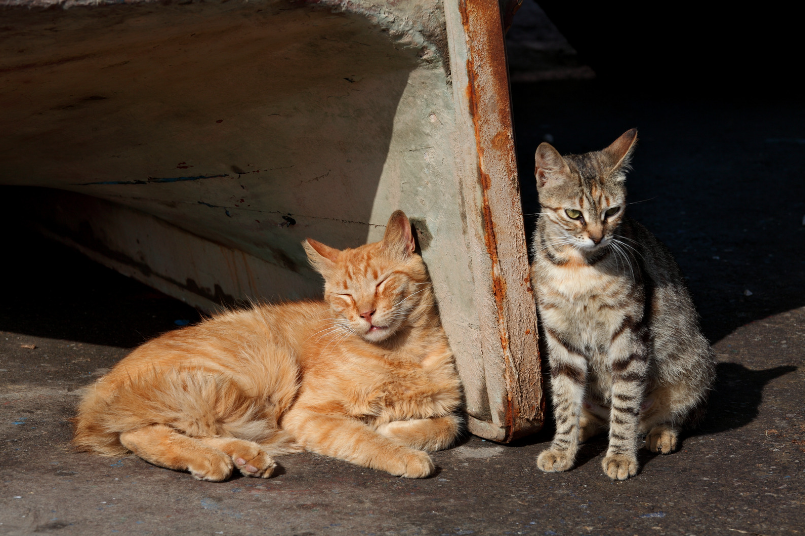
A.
pixel 327 326
pixel 622 253
pixel 396 304
pixel 345 332
pixel 641 201
pixel 616 255
pixel 334 343
pixel 337 327
pixel 331 328
pixel 629 260
pixel 556 245
pixel 329 333
pixel 557 241
pixel 631 249
pixel 621 237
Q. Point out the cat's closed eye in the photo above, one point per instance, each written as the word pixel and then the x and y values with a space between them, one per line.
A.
pixel 382 283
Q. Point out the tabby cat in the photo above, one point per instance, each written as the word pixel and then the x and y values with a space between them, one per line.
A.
pixel 624 345
pixel 366 376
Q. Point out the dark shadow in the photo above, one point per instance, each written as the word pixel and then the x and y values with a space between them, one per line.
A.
pixel 693 47
pixel 279 470
pixel 52 291
pixel 591 449
pixel 436 472
pixel 462 439
pixel 737 395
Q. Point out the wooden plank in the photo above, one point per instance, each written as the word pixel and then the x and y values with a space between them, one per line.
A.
pixel 500 260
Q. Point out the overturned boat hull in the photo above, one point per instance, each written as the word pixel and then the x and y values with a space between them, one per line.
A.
pixel 194 146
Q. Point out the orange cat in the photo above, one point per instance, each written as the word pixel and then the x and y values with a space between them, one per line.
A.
pixel 366 376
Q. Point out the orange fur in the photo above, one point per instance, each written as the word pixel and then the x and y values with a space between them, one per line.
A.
pixel 366 376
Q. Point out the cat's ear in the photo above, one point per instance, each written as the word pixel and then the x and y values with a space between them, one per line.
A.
pixel 548 164
pixel 620 152
pixel 398 237
pixel 321 256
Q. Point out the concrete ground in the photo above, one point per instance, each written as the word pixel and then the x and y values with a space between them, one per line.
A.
pixel 719 178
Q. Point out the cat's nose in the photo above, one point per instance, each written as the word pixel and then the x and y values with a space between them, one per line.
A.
pixel 367 315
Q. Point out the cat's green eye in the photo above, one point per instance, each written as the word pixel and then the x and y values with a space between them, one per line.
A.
pixel 611 212
pixel 573 214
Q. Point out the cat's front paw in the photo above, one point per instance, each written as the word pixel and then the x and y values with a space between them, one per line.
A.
pixel 418 465
pixel 662 439
pixel 619 466
pixel 257 464
pixel 553 461
pixel 213 466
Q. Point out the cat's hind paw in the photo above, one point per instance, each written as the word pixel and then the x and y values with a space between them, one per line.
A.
pixel 662 439
pixel 250 458
pixel 619 466
pixel 430 435
pixel 591 424
pixel 260 466
pixel 418 465
pixel 553 461
pixel 214 467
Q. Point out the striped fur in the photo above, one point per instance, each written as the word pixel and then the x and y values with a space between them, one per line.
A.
pixel 366 376
pixel 624 345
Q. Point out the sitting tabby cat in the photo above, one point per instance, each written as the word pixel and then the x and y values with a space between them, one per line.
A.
pixel 624 344
pixel 366 376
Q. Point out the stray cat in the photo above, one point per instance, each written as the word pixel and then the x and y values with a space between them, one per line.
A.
pixel 624 345
pixel 365 376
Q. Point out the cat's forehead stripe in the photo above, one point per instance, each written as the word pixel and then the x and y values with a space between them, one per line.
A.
pixel 587 167
pixel 595 195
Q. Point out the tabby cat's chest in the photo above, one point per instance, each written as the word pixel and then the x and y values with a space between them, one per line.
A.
pixel 574 282
pixel 586 304
pixel 577 289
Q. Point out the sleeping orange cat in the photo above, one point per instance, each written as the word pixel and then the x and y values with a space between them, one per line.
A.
pixel 366 376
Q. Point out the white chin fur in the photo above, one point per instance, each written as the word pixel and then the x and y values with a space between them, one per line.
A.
pixel 589 245
pixel 377 335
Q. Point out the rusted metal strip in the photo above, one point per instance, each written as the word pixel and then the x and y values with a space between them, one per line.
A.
pixel 503 232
